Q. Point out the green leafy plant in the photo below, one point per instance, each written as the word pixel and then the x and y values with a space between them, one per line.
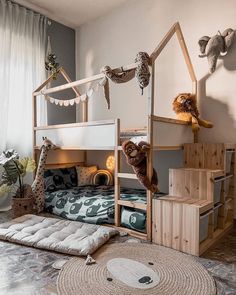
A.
pixel 51 65
pixel 14 171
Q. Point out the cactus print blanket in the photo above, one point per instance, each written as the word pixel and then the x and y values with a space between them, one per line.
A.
pixel 95 204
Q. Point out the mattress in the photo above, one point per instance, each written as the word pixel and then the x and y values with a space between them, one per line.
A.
pixel 54 234
pixel 95 204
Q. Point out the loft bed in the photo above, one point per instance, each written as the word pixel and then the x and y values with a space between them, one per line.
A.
pixel 107 135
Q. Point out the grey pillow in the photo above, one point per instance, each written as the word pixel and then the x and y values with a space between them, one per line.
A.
pixel 57 179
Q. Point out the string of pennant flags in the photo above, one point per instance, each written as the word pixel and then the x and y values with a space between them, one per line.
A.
pixel 82 98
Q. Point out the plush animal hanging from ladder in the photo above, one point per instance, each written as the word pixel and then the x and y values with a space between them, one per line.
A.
pixel 185 106
pixel 38 184
pixel 136 156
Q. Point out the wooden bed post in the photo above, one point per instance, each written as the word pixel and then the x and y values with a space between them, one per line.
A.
pixel 150 154
pixel 34 124
pixel 117 169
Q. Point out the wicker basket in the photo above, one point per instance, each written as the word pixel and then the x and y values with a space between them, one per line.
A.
pixel 22 206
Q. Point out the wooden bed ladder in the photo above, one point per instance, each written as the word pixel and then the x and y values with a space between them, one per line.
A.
pixel 119 202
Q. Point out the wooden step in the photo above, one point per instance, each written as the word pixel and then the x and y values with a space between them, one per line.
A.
pixel 203 205
pixel 133 233
pixel 131 204
pixel 127 175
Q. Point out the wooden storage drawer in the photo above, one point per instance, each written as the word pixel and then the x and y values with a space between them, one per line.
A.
pixel 178 223
pixel 216 215
pixel 204 226
pixel 217 191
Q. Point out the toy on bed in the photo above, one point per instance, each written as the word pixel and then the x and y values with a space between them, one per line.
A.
pixel 185 106
pixel 136 156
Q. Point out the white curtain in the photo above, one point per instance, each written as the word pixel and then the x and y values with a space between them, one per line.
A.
pixel 22 57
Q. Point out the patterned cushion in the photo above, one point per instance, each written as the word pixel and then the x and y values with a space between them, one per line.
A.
pixel 133 219
pixel 85 174
pixel 56 179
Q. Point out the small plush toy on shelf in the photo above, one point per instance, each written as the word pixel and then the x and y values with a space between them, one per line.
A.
pixel 136 156
pixel 185 106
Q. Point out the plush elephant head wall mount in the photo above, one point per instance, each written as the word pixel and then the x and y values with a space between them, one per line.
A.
pixel 213 47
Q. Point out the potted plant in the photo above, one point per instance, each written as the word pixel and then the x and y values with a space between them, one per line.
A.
pixel 12 180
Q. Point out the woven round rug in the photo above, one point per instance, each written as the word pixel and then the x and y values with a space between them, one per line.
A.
pixel 135 269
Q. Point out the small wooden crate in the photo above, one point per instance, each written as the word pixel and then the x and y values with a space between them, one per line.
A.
pixel 176 223
pixel 193 183
pixel 209 156
pixel 22 206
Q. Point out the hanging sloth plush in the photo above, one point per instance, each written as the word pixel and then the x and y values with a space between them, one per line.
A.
pixel 185 106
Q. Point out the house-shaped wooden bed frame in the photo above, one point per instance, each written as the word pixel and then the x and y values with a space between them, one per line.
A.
pixel 105 135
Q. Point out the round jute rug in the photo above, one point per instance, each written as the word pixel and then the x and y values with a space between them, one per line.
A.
pixel 135 269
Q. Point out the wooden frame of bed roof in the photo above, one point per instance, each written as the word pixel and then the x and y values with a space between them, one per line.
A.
pixel 175 29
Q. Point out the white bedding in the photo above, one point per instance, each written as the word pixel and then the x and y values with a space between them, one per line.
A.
pixel 70 237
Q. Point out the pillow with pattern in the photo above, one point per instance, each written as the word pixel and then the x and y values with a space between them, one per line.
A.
pixel 56 179
pixel 85 174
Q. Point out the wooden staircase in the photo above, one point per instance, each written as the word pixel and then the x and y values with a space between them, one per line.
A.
pixel 199 209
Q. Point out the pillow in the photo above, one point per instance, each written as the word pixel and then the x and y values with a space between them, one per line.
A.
pixel 102 177
pixel 133 219
pixel 85 174
pixel 56 179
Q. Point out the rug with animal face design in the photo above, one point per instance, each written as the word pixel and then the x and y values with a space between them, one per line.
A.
pixel 95 204
pixel 140 269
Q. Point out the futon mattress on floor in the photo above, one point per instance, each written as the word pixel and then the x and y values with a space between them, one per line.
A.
pixel 96 204
pixel 69 237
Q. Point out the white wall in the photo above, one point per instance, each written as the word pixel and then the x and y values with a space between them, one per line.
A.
pixel 138 26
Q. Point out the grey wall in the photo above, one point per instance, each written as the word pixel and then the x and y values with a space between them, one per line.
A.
pixel 63 45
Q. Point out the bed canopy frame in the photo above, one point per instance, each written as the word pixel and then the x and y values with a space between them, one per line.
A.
pixel 105 135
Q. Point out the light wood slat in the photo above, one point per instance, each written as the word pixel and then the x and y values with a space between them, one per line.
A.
pixel 169 120
pixel 163 43
pixel 63 165
pixel 185 52
pixel 127 175
pixel 83 148
pixel 117 180
pixel 82 124
pixel 131 204
pixel 80 82
pixel 176 225
pixel 133 233
pixel 163 148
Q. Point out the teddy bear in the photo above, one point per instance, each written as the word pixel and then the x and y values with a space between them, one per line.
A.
pixel 185 106
pixel 136 156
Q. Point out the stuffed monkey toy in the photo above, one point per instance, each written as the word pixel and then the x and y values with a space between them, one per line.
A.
pixel 185 106
pixel 136 156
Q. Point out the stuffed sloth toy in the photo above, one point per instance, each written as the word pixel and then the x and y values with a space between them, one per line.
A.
pixel 185 106
pixel 136 156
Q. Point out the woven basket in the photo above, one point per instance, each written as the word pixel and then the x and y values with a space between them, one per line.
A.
pixel 22 206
